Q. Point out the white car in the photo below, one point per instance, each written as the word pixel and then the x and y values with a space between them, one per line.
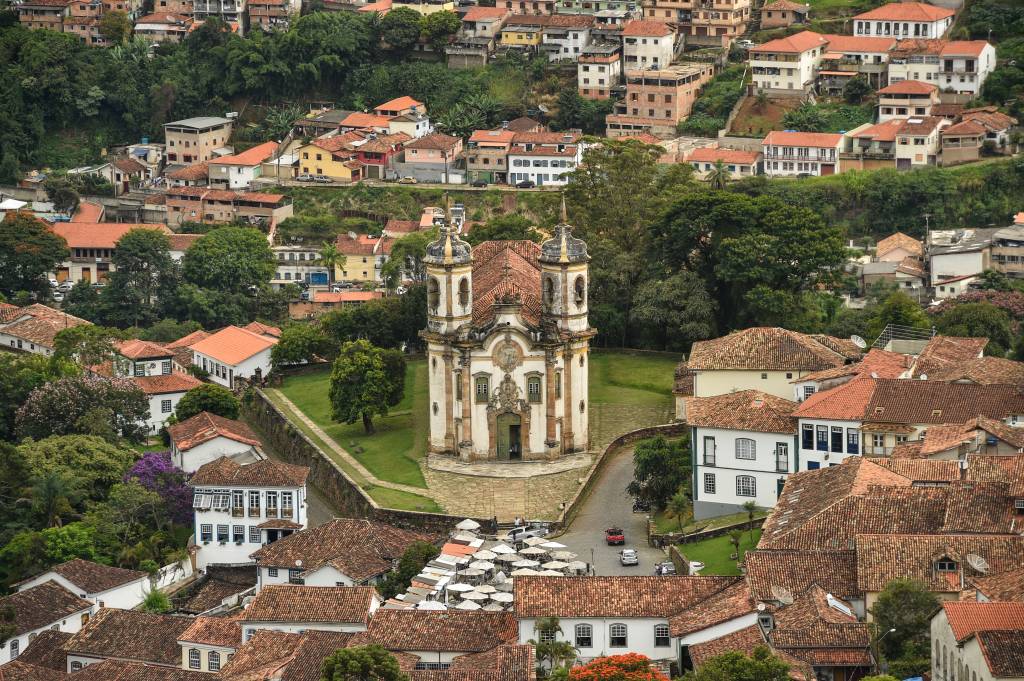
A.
pixel 54 283
pixel 628 557
pixel 65 286
pixel 58 296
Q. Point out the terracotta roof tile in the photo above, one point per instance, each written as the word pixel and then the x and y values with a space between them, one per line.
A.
pixel 398 103
pixel 764 348
pixel 22 670
pixel 1004 652
pixel 131 635
pixel 646 28
pixel 967 618
pixel 485 13
pixel 883 363
pixel 743 410
pixel 313 647
pixel 196 171
pixel 997 468
pixel 908 87
pixel 88 211
pixel 9 312
pixel 364 120
pixel 46 650
pixel 523 124
pixel 857 43
pixel 990 118
pixel 361 549
pixel 786 5
pixel 921 125
pixel 1002 586
pixel 502 663
pixel 786 138
pixel 214 631
pixel 291 603
pixel 42 605
pixel 263 329
pixel 715 154
pixel 506 270
pixel 233 345
pixel 249 157
pixel 796 571
pixel 899 240
pixel 436 140
pixel 262 656
pixel 205 426
pixel 983 370
pixel 140 349
pixel 965 128
pixel 729 603
pixel 182 242
pixel 119 670
pixel 844 403
pixel 797 43
pixel 41 324
pixel 165 384
pixel 943 351
pixel 922 470
pixel 821 630
pixel 957 48
pixel 906 11
pixel 98 234
pixel 189 340
pixel 570 597
pixel 94 578
pixel 442 631
pixel 742 641
pixel 267 473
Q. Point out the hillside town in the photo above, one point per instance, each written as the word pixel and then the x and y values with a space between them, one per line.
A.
pixel 528 340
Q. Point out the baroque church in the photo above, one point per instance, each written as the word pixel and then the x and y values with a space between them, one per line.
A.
pixel 507 346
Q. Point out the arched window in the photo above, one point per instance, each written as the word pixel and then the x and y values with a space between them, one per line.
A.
pixel 15 648
pixel 433 294
pixel 746 448
pixel 464 292
pixel 213 661
pixel 938 655
pixel 584 636
pixel 549 293
pixel 661 636
pixel 746 486
pixel 193 659
pixel 533 389
pixel 580 291
pixel 617 636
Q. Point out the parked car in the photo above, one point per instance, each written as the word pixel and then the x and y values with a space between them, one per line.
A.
pixel 54 283
pixel 321 179
pixel 666 567
pixel 526 184
pixel 408 179
pixel 479 183
pixel 518 534
pixel 304 177
pixel 614 535
pixel 745 44
pixel 58 296
pixel 65 286
pixel 628 557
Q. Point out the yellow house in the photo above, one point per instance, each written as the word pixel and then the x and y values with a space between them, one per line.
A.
pixel 329 156
pixel 425 7
pixel 519 35
pixel 364 257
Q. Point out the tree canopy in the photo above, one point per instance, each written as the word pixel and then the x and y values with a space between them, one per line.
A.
pixel 210 397
pixel 362 386
pixel 760 665
pixel 661 469
pixel 362 663
pixel 230 259
pixel 28 250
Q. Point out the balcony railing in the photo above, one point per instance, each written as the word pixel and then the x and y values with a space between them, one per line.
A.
pixel 271 511
pixel 709 459
pixel 254 511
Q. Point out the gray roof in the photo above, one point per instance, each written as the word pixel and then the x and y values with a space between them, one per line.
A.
pixel 949 241
pixel 198 122
pixel 563 243
pixel 1013 233
pixel 448 248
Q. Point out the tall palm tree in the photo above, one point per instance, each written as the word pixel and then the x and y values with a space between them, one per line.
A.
pixel 52 497
pixel 679 508
pixel 719 175
pixel 751 509
pixel 551 653
pixel 331 257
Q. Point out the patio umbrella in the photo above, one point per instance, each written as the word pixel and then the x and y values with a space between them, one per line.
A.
pixel 486 589
pixel 578 566
pixel 468 524
pixel 474 596
pixel 502 549
pixel 533 551
pixel 551 573
pixel 462 536
pixel 481 565
pixel 506 586
pixel 525 564
pixel 485 555
pixel 524 572
pixel 502 597
pixel 493 607
pixel 552 545
pixel 472 572
pixel 563 555
pixel 507 558
pixel 534 541
pixel 460 588
pixel 431 605
pixel 555 565
pixel 467 605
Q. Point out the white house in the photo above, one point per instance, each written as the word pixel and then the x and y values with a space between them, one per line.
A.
pixel 32 328
pixel 565 36
pixel 44 606
pixel 906 98
pixel 127 636
pixel 206 437
pixel 239 508
pixel 954 253
pixel 919 141
pixel 787 66
pixel 103 585
pixel 743 446
pixel 981 641
pixel 209 643
pixel 953 287
pixel 794 154
pixel 151 367
pixel 647 45
pixel 294 609
pixel 341 552
pixel 904 20
pixel 238 171
pixel 959 66
pixel 234 352
pixel 602 616
pixel 544 158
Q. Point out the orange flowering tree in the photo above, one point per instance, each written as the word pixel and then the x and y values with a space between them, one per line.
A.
pixel 630 667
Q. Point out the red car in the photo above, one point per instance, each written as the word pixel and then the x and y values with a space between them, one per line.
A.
pixel 614 535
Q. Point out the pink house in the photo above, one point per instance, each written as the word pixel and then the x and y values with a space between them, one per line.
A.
pixel 433 148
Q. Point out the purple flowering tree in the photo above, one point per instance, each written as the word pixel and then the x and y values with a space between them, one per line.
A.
pixel 156 472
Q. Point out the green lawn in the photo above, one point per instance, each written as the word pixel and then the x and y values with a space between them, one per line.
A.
pixel 714 553
pixel 642 378
pixel 391 453
pixel 664 523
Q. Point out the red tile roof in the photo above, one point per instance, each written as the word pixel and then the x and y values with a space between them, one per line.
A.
pixel 249 157
pixel 906 11
pixel 882 363
pixel 991 119
pixel 215 631
pixel 263 329
pixel 908 87
pixel 165 384
pixel 182 242
pixel 42 605
pixel 899 240
pixel 442 631
pixel 265 473
pixel 485 13
pixel 346 296
pixel 965 128
pixel 730 603
pixel 88 212
pixel 94 578
pixel 646 28
pixel 205 426
pixel 1004 652
pixel 196 171
pixel 1002 586
pixel 967 618
pixel 856 43
pixel 436 140
pixel 120 670
pixel 796 571
pixel 764 349
pixel 233 345
pixel 503 136
pixel 364 120
pixel 749 410
pixel 98 234
pixel 713 155
pixel 140 349
pixel 398 104
pixel 794 44
pixel 943 351
pixel 506 270
pixel 786 5
pixel 131 635
pixel 46 650
pixel 972 48
pixel 292 603
pixel 20 669
pixel 784 138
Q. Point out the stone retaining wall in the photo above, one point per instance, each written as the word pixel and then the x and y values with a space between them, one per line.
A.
pixel 292 445
pixel 694 537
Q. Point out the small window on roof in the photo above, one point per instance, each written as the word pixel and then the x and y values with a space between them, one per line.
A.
pixel 879 410
pixel 936 412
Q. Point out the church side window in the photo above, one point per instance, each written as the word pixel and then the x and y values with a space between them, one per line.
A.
pixel 558 384
pixel 483 388
pixel 464 292
pixel 580 288
pixel 458 385
pixel 533 388
pixel 549 293
pixel 433 294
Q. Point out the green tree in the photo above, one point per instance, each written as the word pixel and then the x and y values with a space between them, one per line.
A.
pixel 674 311
pixel 856 90
pixel 907 606
pixel 751 508
pixel 86 344
pixel 679 507
pixel 169 330
pixel 145 272
pixel 400 28
pixel 85 405
pixel 718 177
pixel 115 27
pixel 407 254
pixel 230 259
pixel 62 194
pixel 808 118
pixel 394 370
pixel 31 552
pixel 551 653
pixel 90 462
pixel 760 665
pixel 28 250
pixel 900 309
pixel 210 397
pixel 83 301
pixel 20 374
pixel 979 320
pixel 735 537
pixel 439 27
pixel 330 256
pixel 53 496
pixel 510 227
pixel 660 469
pixel 360 385
pixel 300 343
pixel 409 565
pixel 362 663
pixel 157 602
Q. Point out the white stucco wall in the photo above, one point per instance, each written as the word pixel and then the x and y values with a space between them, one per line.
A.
pixel 809 456
pixel 949 265
pixel 711 383
pixel 639 636
pixel 71 624
pixel 244 369
pixel 728 467
pixel 192 460
pixel 204 655
pixel 124 597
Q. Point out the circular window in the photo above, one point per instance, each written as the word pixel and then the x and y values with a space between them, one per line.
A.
pixel 435 409
pixel 583 406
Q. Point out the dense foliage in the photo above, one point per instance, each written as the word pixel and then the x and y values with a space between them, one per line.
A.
pixel 110 408
pixel 362 663
pixel 904 609
pixel 712 107
pixel 409 565
pixel 210 397
pixel 760 665
pixel 661 470
pixel 366 381
pixel 628 667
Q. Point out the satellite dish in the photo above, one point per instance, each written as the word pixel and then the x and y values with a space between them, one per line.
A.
pixel 782 594
pixel 858 341
pixel 977 562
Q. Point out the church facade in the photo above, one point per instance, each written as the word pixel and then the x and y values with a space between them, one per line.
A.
pixel 507 347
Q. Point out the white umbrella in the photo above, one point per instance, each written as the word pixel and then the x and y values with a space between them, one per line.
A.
pixel 493 607
pixel 551 573
pixel 460 587
pixel 523 572
pixel 462 536
pixel 467 605
pixel 508 558
pixel 471 572
pixel 468 524
pixel 502 549
pixel 502 597
pixel 481 565
pixel 555 565
pixel 532 551
pixel 552 545
pixel 486 589
pixel 534 541
pixel 563 555
pixel 577 565
pixel 485 555
pixel 431 605
pixel 474 596
pixel 525 564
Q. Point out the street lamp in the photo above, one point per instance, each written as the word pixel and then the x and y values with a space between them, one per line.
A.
pixel 873 646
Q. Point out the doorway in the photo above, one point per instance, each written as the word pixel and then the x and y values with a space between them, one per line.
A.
pixel 509 437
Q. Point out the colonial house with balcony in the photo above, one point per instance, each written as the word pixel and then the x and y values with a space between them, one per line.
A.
pixel 903 99
pixel 239 508
pixel 647 45
pixel 870 146
pixel 544 158
pixel 743 443
pixel 341 552
pixel 658 100
pixel 299 263
pixel 738 162
pixel 233 353
pixel 599 70
pixel 200 204
pixel 565 36
pixel 268 15
pixel 206 437
pixel 48 14
pixel 292 609
pixel 793 154
pixel 116 636
pixel 194 140
pixel 919 141
pixel 904 20
pixel 487 155
pixel 959 66
pixel 787 66
pixel 997 126
pixel 850 56
pixel 92 247
pixel 703 22
pixel 209 643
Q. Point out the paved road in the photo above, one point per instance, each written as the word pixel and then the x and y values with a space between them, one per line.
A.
pixel 608 505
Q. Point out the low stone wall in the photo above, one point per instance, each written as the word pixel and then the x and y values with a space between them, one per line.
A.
pixel 674 538
pixel 570 510
pixel 347 497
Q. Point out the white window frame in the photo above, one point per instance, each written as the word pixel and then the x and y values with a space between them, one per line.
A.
pixel 746 449
pixel 661 632
pixel 580 635
pixel 612 629
pixel 746 486
pixel 710 488
pixel 195 659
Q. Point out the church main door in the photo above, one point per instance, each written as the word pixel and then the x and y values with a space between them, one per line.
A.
pixel 510 446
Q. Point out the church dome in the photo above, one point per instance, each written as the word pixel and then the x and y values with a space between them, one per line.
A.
pixel 563 247
pixel 449 249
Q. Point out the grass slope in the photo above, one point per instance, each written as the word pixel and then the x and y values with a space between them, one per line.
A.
pixel 715 552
